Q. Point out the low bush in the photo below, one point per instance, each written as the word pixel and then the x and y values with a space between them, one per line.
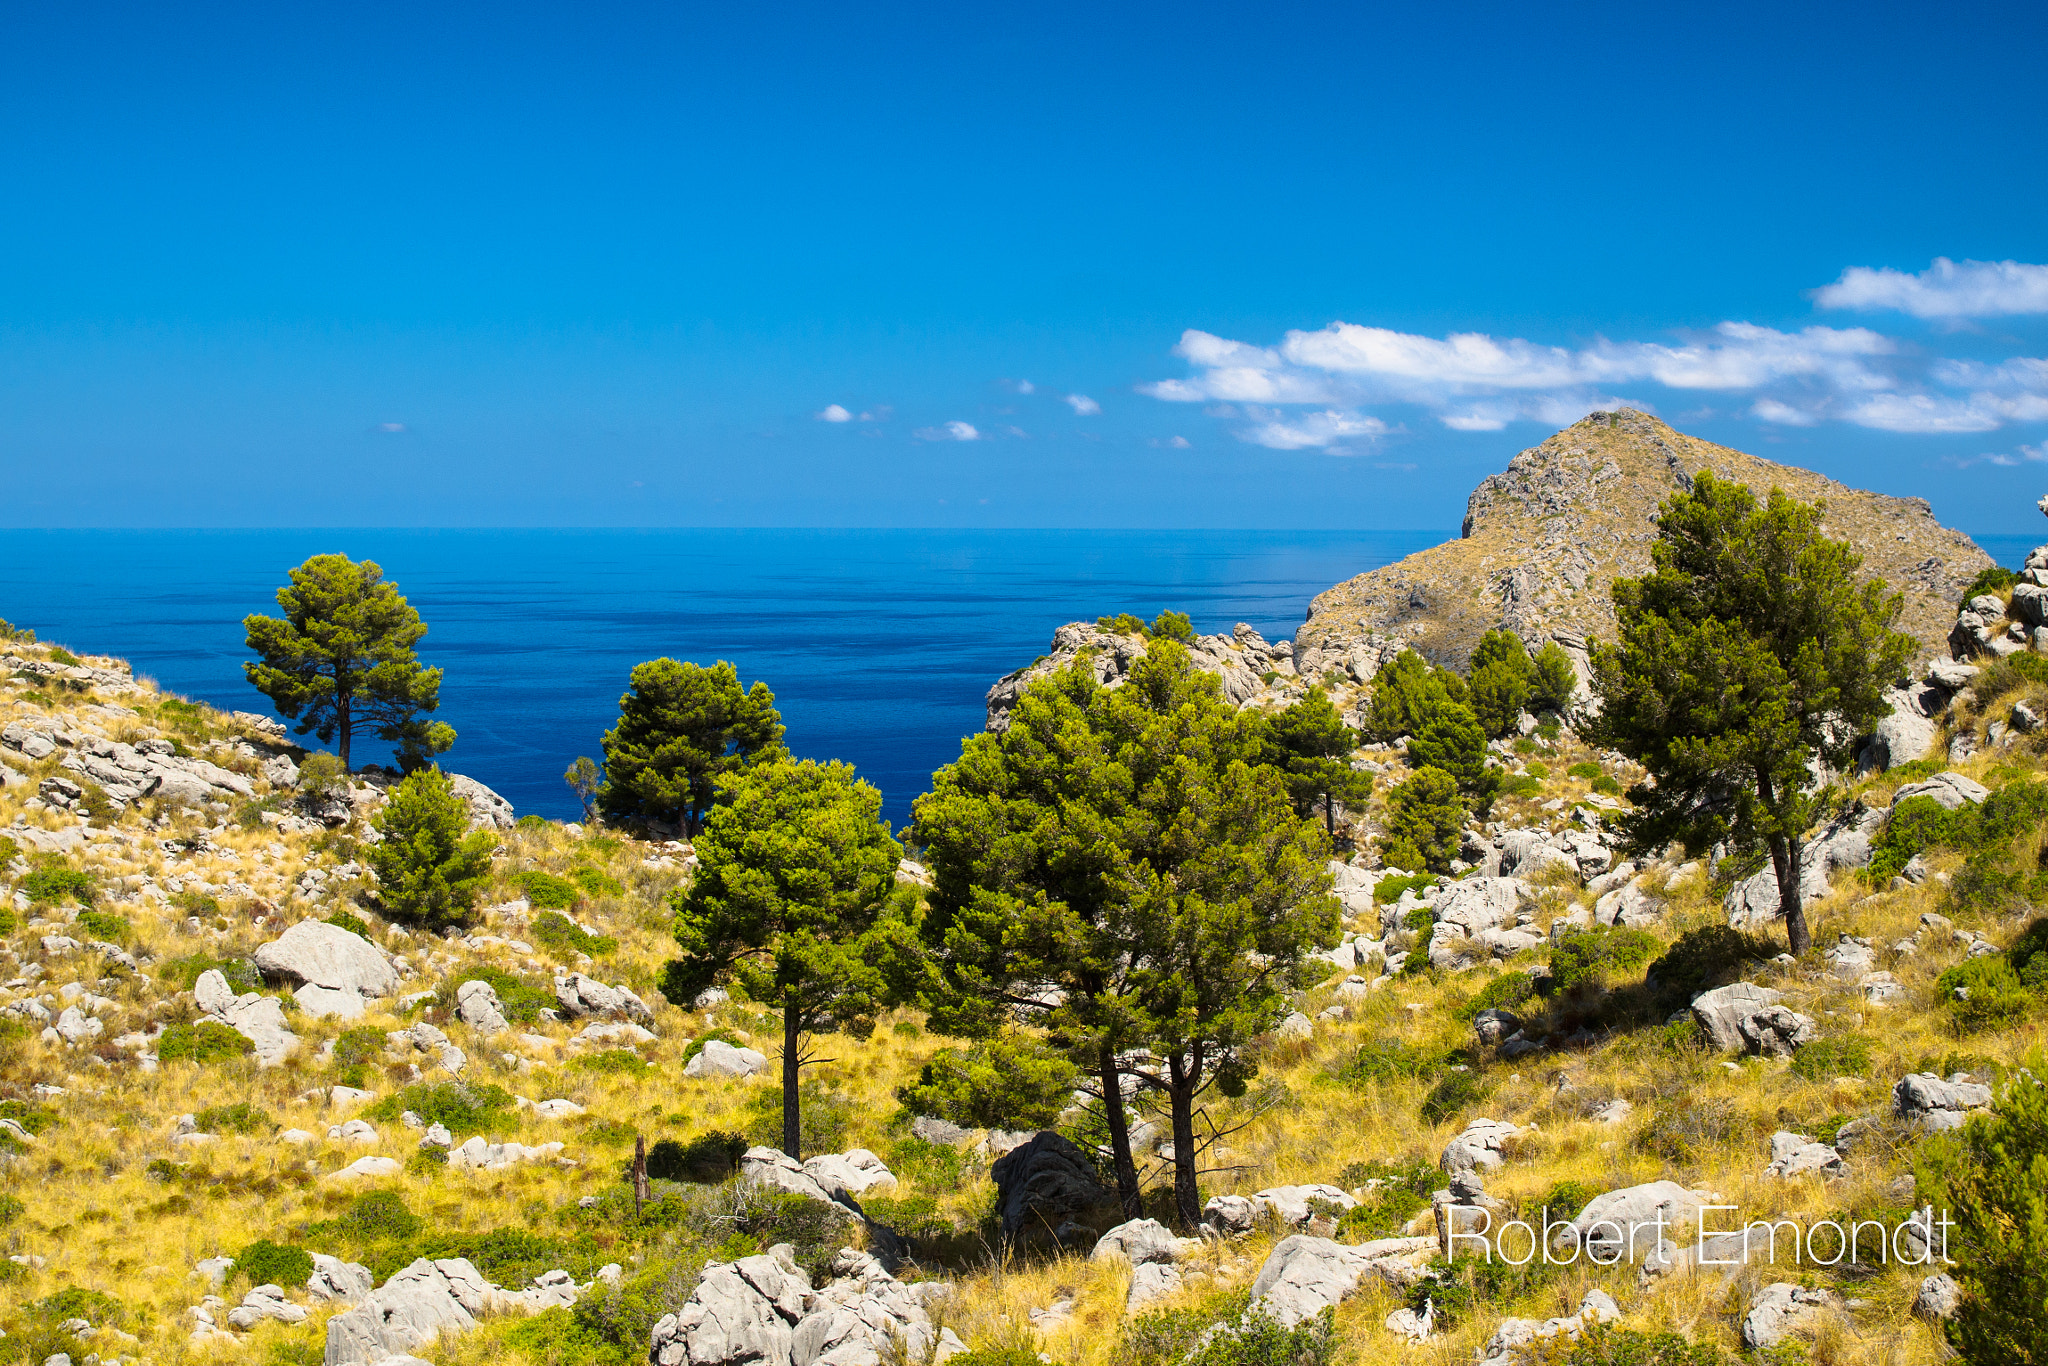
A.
pixel 342 920
pixel 1585 771
pixel 1600 953
pixel 520 999
pixel 206 1042
pixel 105 925
pixel 267 1263
pixel 1996 579
pixel 1167 1337
pixel 96 1307
pixel 597 882
pixel 1841 1055
pixel 462 1108
pixel 935 1166
pixel 706 1159
pixel 1537 769
pixel 913 1216
pixel 1707 957
pixel 37 1119
pixel 614 1062
pixel 1505 992
pixel 1603 1346
pixel 241 974
pixel 322 775
pixel 1607 785
pixel 1384 1059
pixel 1683 1134
pixel 1454 1093
pixel 1983 993
pixel 1389 889
pixel 565 938
pixel 50 886
pixel 239 1118
pixel 546 891
pixel 197 903
pixel 1395 1193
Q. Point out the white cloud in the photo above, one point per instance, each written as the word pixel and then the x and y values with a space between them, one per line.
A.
pixel 1783 414
pixel 952 431
pixel 1083 405
pixel 1920 413
pixel 1024 386
pixel 834 413
pixel 1172 443
pixel 392 428
pixel 1946 289
pixel 1326 430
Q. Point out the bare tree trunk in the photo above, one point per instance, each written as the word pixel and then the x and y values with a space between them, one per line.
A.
pixel 792 1127
pixel 639 1172
pixel 1111 1077
pixel 1180 1094
pixel 342 722
pixel 1785 854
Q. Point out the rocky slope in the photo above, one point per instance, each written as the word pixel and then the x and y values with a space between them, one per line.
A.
pixel 1545 539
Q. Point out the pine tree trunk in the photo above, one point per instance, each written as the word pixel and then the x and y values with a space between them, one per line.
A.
pixel 1187 1195
pixel 1785 855
pixel 792 1127
pixel 342 723
pixel 1110 1075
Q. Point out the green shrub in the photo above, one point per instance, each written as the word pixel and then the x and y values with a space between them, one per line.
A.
pixel 1385 1059
pixel 614 1062
pixel 322 775
pixel 1396 1193
pixel 74 1302
pixel 706 1159
pixel 1563 1200
pixel 197 903
pixel 239 1118
pixel 1993 1175
pixel 936 1166
pixel 463 1109
pixel 1454 1093
pixel 1164 1337
pixel 814 1231
pixel 1917 824
pixel 1842 1055
pixel 914 1216
pixel 60 655
pixel 1389 889
pixel 1995 579
pixel 1585 771
pixel 378 1216
pixel 1519 785
pixel 249 815
pixel 429 864
pixel 1707 957
pixel 10 1209
pixel 9 851
pixel 1010 1082
pixel 1257 1339
pixel 520 999
pixel 205 1042
pixel 1023 1352
pixel 1607 785
pixel 1537 769
pixel 267 1263
pixel 342 920
pixel 1604 1346
pixel 9 921
pixel 1505 992
pixel 49 886
pixel 565 938
pixel 697 1044
pixel 1983 993
pixel 241 974
pixel 37 1119
pixel 596 882
pixel 1425 821
pixel 1596 954
pixel 2007 674
pixel 105 925
pixel 546 891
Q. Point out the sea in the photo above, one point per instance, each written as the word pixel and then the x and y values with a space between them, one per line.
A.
pixel 879 645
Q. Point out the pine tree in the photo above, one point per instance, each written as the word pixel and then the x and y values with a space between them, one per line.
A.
pixel 426 866
pixel 1748 654
pixel 1425 823
pixel 795 902
pixel 1449 737
pixel 341 659
pixel 1310 744
pixel 1502 679
pixel 1554 682
pixel 682 727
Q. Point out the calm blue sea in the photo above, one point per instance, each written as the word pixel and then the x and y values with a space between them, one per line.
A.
pixel 878 644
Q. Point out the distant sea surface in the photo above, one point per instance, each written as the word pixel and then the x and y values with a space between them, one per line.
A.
pixel 879 645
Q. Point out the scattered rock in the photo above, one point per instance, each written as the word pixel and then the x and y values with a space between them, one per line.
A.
pixel 1780 1309
pixel 581 996
pixel 1138 1241
pixel 1928 1103
pixel 1478 1147
pixel 720 1059
pixel 1798 1155
pixel 1939 1297
pixel 854 1172
pixel 335 968
pixel 478 1006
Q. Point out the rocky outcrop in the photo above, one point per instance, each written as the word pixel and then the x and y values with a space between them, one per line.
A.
pixel 1627 1223
pixel 257 1018
pixel 128 773
pixel 1798 1155
pixel 1744 1017
pixel 1926 1102
pixel 582 996
pixel 1544 540
pixel 1304 1276
pixel 1513 1337
pixel 763 1311
pixel 1782 1309
pixel 1046 1185
pixel 478 1006
pixel 717 1058
pixel 1240 660
pixel 487 810
pixel 410 1310
pixel 336 969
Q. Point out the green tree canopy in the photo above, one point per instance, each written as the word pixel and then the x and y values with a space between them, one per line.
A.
pixel 1553 680
pixel 1449 737
pixel 341 659
pixel 1748 653
pixel 1502 680
pixel 1112 861
pixel 795 902
pixel 1310 744
pixel 584 778
pixel 426 866
pixel 1425 823
pixel 1403 690
pixel 681 728
pixel 1008 1082
pixel 1996 1176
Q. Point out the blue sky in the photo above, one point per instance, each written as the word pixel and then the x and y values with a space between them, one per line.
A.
pixel 1158 265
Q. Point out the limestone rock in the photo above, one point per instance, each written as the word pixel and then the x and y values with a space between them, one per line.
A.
pixel 772 1167
pixel 478 1006
pixel 1625 1222
pixel 334 1279
pixel 1514 1336
pixel 265 1302
pixel 720 1059
pixel 479 1155
pixel 1720 1012
pixel 487 810
pixel 1798 1155
pixel 1777 1031
pixel 339 966
pixel 1952 790
pixel 1939 1297
pixel 410 1310
pixel 854 1172
pixel 865 1317
pixel 1047 1182
pixel 1481 903
pixel 580 996
pixel 1927 1102
pixel 1303 1276
pixel 1491 1026
pixel 1780 1309
pixel 741 1313
pixel 1138 1241
pixel 1478 1148
pixel 1151 1281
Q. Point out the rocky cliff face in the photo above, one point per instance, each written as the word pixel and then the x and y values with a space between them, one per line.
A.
pixel 1543 543
pixel 1545 539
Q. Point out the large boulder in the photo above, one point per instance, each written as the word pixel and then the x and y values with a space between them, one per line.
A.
pixel 1952 790
pixel 1928 1103
pixel 853 1172
pixel 1720 1013
pixel 741 1313
pixel 410 1310
pixel 1478 1147
pixel 1303 1276
pixel 1908 733
pixel 1481 903
pixel 487 810
pixel 717 1058
pixel 336 969
pixel 579 996
pixel 478 1006
pixel 1452 950
pixel 866 1317
pixel 765 1166
pixel 334 1279
pixel 257 1018
pixel 1045 1183
pixel 1632 1221
pixel 1138 1241
pixel 1777 1031
pixel 1781 1309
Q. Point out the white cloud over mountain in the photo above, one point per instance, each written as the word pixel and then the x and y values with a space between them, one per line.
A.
pixel 1316 389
